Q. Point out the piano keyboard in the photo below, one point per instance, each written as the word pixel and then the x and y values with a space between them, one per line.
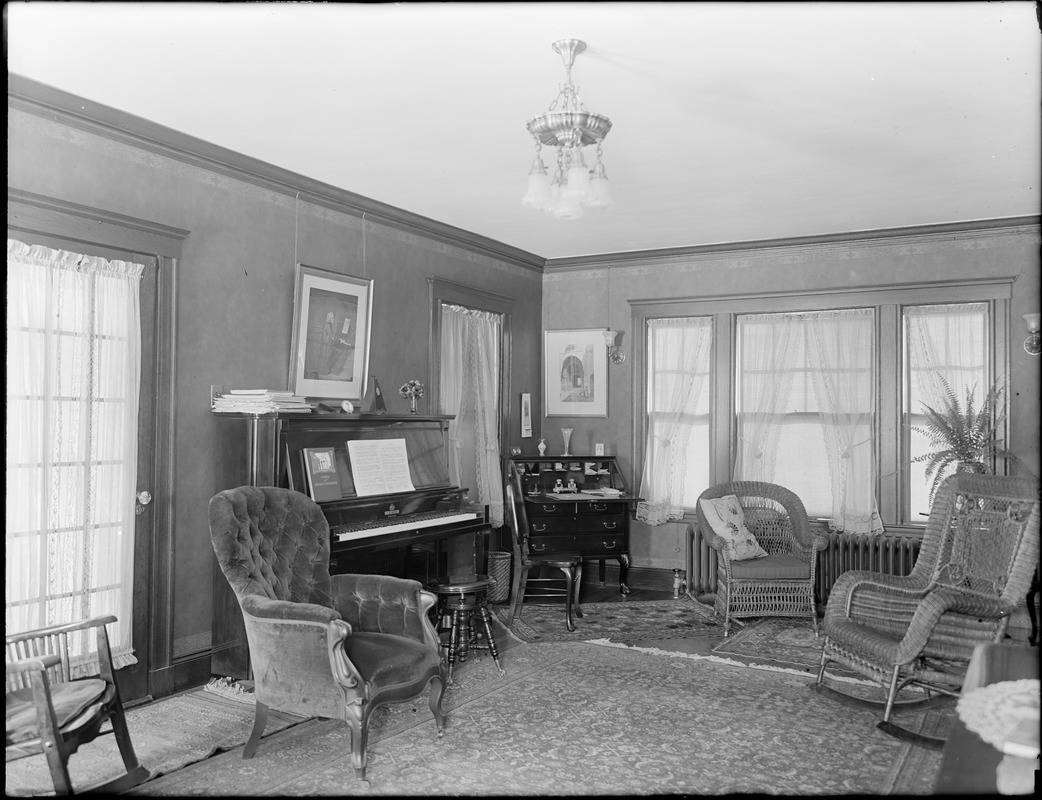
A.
pixel 349 533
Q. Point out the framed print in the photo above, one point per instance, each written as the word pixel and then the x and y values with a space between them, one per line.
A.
pixel 575 373
pixel 526 415
pixel 332 317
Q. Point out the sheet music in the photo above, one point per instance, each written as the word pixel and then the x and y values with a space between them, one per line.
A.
pixel 379 466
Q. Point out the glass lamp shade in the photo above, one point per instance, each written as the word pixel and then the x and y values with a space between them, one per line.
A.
pixel 566 206
pixel 609 338
pixel 578 185
pixel 538 195
pixel 1032 321
pixel 599 196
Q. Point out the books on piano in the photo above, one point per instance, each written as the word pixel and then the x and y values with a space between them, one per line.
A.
pixel 323 479
pixel 259 401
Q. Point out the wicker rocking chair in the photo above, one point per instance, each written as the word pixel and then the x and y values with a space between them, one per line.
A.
pixel 976 561
pixel 780 585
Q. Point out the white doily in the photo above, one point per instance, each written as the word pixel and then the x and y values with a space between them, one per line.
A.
pixel 994 711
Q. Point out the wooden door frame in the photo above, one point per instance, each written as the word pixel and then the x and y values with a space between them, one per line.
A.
pixel 31 213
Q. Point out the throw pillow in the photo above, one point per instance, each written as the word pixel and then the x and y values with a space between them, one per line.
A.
pixel 726 518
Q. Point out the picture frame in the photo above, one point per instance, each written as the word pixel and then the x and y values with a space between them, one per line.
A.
pixel 526 415
pixel 332 322
pixel 575 373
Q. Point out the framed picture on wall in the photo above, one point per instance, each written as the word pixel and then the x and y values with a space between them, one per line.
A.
pixel 575 373
pixel 526 415
pixel 332 317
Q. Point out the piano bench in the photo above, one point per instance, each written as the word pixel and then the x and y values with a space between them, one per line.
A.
pixel 460 597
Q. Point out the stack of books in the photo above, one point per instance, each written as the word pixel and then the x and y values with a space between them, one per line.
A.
pixel 259 401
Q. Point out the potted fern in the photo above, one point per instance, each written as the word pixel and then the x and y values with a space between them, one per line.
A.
pixel 967 437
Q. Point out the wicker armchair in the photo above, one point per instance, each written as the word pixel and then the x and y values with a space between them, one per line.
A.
pixel 779 585
pixel 974 567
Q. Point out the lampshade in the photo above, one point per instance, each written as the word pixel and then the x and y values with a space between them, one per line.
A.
pixel 609 338
pixel 569 127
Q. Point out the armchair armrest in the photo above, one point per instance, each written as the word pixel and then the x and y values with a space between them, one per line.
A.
pixel 33 664
pixel 384 604
pixel 265 608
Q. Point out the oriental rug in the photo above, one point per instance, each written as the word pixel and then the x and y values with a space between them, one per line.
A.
pixel 167 735
pixel 788 642
pixel 625 621
pixel 581 719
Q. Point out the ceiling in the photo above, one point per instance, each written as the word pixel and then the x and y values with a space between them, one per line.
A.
pixel 731 121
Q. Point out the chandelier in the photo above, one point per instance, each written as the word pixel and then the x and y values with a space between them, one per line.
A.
pixel 569 127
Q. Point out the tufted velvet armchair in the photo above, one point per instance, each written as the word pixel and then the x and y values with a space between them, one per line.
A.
pixel 325 646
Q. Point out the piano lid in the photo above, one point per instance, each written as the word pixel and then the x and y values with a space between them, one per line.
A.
pixel 425 440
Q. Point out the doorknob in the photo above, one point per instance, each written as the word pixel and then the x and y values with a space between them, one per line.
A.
pixel 143 499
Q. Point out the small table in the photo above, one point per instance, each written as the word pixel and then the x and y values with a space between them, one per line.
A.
pixel 968 763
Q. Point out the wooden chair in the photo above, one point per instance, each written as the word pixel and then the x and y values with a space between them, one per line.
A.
pixel 335 646
pixel 571 564
pixel 975 564
pixel 49 712
pixel 779 585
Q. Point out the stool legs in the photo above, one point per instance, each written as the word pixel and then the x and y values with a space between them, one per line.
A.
pixel 463 631
pixel 491 639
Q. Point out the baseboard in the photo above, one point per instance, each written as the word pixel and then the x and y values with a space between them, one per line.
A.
pixel 651 578
pixel 185 674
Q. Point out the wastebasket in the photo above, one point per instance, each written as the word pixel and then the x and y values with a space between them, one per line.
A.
pixel 499 572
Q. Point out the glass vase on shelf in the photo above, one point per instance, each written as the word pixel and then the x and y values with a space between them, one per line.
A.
pixel 412 405
pixel 542 447
pixel 567 434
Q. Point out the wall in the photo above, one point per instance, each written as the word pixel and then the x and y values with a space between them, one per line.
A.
pixel 598 295
pixel 235 302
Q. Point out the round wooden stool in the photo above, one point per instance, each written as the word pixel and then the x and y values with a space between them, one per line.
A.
pixel 459 597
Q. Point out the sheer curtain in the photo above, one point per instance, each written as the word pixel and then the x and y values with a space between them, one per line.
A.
pixel 945 344
pixel 678 367
pixel 840 357
pixel 767 354
pixel 470 365
pixel 73 370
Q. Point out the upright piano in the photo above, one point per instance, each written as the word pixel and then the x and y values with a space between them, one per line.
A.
pixel 369 533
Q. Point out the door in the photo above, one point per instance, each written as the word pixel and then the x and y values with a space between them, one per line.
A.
pixel 133 679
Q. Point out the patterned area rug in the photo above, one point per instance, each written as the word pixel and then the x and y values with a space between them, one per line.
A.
pixel 167 735
pixel 776 640
pixel 626 621
pixel 575 718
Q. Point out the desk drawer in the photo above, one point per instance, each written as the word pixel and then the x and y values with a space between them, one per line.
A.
pixel 580 523
pixel 587 544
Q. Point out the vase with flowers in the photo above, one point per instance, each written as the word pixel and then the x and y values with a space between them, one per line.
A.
pixel 413 391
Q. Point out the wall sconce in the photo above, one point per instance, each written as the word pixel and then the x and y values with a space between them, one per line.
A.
pixel 615 353
pixel 1032 345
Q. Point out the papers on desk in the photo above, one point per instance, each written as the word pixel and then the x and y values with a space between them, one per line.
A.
pixel 606 492
pixel 573 496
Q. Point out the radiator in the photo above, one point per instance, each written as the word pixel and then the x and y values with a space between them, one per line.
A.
pixel 893 555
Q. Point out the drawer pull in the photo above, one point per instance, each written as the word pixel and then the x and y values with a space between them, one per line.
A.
pixel 610 526
pixel 539 528
pixel 537 546
pixel 610 545
pixel 549 509
pixel 599 506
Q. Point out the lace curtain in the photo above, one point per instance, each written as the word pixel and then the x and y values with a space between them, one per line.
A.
pixel 470 373
pixel 73 370
pixel 830 353
pixel 679 365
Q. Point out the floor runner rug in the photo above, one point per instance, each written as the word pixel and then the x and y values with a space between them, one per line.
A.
pixel 777 640
pixel 167 735
pixel 625 621
pixel 576 718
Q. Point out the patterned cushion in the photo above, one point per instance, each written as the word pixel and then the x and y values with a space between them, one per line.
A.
pixel 726 518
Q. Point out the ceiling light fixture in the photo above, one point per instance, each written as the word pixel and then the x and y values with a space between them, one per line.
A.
pixel 569 127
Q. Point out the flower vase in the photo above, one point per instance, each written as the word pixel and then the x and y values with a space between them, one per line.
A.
pixel 542 447
pixel 412 405
pixel 567 434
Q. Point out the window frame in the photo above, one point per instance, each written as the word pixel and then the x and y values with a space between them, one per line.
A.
pixel 888 303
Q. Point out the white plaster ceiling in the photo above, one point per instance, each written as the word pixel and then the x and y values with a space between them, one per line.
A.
pixel 731 121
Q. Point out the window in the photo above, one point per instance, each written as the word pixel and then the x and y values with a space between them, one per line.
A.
pixel 816 392
pixel 943 342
